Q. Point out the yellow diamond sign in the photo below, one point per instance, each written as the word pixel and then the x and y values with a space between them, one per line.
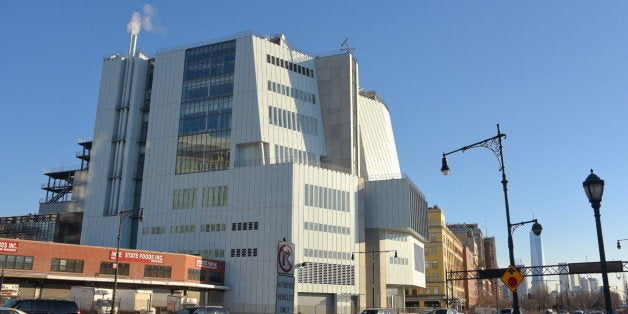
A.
pixel 512 277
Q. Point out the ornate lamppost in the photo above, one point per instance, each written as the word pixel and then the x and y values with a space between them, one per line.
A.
pixel 495 145
pixel 594 189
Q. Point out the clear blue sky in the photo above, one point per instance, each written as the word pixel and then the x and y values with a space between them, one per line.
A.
pixel 553 74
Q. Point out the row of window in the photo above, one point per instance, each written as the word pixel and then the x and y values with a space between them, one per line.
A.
pixel 326 254
pixel 399 261
pixel 203 152
pixel 290 66
pixel 208 75
pixel 217 253
pixel 107 268
pixel 431 278
pixel 431 250
pixel 184 199
pixel 396 237
pixel 432 290
pixel 292 120
pixel 16 262
pixel 326 228
pixel 209 66
pixel 205 107
pixel 220 121
pixel 216 49
pixel 213 196
pixel 208 87
pixel 214 227
pixel 431 264
pixel 153 271
pixel 244 252
pixel 236 226
pixel 322 197
pixel 289 154
pixel 251 225
pixel 182 229
pixel 291 92
pixel 153 230
pixel 204 275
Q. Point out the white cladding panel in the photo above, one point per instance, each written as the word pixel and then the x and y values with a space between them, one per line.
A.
pixel 271 196
pixel 403 271
pixel 111 122
pixel 265 72
pixel 377 138
pixel 245 121
pixel 163 123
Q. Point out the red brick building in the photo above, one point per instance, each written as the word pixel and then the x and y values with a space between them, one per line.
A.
pixel 48 270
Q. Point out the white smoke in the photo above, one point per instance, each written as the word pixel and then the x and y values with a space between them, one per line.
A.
pixel 135 24
pixel 142 20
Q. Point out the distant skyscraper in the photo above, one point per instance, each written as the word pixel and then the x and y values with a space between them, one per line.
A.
pixel 594 285
pixel 564 283
pixel 490 255
pixel 523 288
pixel 536 251
pixel 584 284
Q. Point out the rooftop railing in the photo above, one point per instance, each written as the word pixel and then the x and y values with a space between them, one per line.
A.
pixel 62 169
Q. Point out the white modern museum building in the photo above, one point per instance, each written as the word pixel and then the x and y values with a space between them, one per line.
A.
pixel 235 144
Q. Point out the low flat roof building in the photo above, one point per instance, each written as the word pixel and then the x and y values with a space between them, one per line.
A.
pixel 35 269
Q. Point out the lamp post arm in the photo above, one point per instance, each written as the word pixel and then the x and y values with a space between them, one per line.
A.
pixel 474 145
pixel 373 252
pixel 492 143
pixel 514 226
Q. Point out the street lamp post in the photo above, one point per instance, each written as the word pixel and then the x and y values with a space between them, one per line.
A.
pixel 373 253
pixel 123 214
pixel 495 145
pixel 594 189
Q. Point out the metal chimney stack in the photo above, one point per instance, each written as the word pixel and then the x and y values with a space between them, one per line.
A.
pixel 133 45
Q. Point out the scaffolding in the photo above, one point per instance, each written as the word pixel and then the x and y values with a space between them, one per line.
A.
pixel 61 180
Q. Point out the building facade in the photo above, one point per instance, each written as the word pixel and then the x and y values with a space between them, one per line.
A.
pixel 231 146
pixel 37 269
pixel 536 254
pixel 444 253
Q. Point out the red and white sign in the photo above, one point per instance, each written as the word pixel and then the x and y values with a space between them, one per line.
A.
pixel 6 246
pixel 285 258
pixel 9 290
pixel 207 264
pixel 142 257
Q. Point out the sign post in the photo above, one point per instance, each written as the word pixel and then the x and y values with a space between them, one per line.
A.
pixel 284 303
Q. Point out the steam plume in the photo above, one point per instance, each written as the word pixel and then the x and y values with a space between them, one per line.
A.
pixel 142 20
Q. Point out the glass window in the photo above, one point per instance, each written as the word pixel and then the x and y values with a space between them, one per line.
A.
pixel 67 265
pixel 157 271
pixel 16 261
pixel 106 268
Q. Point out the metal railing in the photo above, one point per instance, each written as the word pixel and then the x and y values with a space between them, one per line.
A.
pixel 81 153
pixel 62 169
pixel 59 184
